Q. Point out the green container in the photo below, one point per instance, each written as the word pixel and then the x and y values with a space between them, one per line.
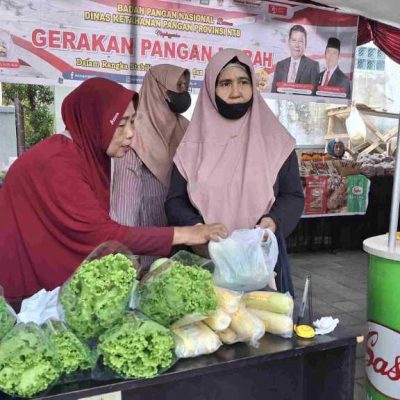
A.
pixel 383 338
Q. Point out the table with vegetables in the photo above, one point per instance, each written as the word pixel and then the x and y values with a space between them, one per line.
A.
pixel 174 334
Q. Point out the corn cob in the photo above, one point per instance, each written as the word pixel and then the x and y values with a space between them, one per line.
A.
pixel 228 299
pixel 277 324
pixel 270 301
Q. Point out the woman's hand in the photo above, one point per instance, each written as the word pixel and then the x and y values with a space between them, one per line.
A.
pixel 267 222
pixel 198 234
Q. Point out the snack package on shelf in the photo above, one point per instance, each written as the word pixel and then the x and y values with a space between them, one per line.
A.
pixel 8 317
pixel 316 194
pixel 135 347
pixel 76 357
pixel 99 292
pixel 195 340
pixel 28 361
pixel 176 291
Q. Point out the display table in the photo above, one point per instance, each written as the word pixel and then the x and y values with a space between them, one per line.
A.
pixel 322 368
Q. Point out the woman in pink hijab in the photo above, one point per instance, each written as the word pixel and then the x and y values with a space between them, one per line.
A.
pixel 236 164
pixel 141 179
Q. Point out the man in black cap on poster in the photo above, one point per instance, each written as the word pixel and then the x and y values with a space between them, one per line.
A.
pixel 333 75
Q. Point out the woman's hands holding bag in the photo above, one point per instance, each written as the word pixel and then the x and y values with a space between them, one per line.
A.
pixel 199 234
pixel 267 223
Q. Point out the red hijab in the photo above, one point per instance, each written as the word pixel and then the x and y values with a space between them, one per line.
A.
pixel 91 114
pixel 54 203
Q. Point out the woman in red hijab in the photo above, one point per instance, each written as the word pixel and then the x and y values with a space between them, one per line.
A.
pixel 54 204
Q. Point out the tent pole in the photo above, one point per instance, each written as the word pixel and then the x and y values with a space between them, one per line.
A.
pixel 394 212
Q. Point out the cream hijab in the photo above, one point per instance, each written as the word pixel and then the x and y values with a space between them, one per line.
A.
pixel 158 131
pixel 232 165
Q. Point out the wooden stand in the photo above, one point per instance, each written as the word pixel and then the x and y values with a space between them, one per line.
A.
pixel 337 129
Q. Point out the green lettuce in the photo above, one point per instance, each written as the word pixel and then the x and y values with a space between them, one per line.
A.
pixel 74 355
pixel 137 347
pixel 7 318
pixel 174 291
pixel 28 362
pixel 98 295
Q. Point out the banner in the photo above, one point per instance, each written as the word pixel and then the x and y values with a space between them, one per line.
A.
pixel 295 49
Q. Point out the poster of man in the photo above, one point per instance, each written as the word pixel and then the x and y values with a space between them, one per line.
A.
pixel 332 80
pixel 299 70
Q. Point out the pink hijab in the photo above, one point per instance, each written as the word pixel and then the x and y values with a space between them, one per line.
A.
pixel 232 165
pixel 158 130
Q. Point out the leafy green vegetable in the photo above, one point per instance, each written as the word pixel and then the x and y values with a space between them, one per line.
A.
pixel 137 347
pixel 173 291
pixel 7 318
pixel 74 355
pixel 98 294
pixel 28 362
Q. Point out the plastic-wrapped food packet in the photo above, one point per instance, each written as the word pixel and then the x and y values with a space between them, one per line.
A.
pixel 229 300
pixel 195 340
pixel 274 309
pixel 7 315
pixel 244 260
pixel 173 292
pixel 28 361
pixel 135 347
pixel 75 356
pixel 99 292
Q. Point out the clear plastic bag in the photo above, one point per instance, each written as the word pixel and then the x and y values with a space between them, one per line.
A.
pixel 76 358
pixel 7 315
pixel 188 258
pixel 99 292
pixel 274 309
pixel 195 340
pixel 244 261
pixel 355 126
pixel 28 361
pixel 175 291
pixel 136 347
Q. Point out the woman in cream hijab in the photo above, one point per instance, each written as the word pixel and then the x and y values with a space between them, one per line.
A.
pixel 141 179
pixel 236 164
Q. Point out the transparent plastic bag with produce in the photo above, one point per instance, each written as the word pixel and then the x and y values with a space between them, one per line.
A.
pixel 244 261
pixel 28 361
pixel 76 357
pixel 7 315
pixel 135 347
pixel 99 292
pixel 175 292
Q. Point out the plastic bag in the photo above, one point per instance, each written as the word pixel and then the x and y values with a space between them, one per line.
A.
pixel 75 356
pixel 244 261
pixel 136 347
pixel 7 315
pixel 195 340
pixel 228 300
pixel 28 361
pixel 247 326
pixel 188 258
pixel 355 126
pixel 174 291
pixel 98 293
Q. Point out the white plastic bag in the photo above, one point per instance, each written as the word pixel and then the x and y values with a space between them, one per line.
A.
pixel 244 261
pixel 355 126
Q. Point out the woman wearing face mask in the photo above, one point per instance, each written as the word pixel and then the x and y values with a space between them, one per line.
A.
pixel 55 201
pixel 236 163
pixel 141 179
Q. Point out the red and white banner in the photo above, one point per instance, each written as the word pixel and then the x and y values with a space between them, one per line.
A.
pixel 64 42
